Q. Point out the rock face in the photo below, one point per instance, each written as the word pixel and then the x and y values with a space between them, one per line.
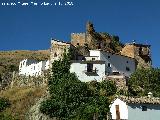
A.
pixel 121 84
pixel 35 114
pixel 95 40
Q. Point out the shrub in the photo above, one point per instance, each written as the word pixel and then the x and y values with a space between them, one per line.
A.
pixel 4 103
pixel 72 99
pixel 6 117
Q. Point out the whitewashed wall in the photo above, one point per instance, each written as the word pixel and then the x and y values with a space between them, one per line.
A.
pixel 79 69
pixel 135 112
pixel 123 109
pixel 117 63
pixel 32 67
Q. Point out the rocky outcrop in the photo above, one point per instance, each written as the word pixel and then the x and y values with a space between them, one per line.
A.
pixel 96 40
pixel 34 112
pixel 121 83
pixel 140 52
pixel 28 81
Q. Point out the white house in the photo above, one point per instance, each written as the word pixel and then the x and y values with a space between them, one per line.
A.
pixel 32 67
pixel 129 108
pixel 88 70
pixel 115 63
pixel 99 65
pixel 119 110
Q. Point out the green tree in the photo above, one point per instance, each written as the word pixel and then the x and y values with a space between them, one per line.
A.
pixel 98 106
pixel 143 81
pixel 72 99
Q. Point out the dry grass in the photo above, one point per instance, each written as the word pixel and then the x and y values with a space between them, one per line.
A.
pixel 21 100
pixel 8 58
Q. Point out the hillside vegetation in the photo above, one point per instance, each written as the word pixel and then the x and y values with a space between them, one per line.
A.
pixel 9 60
pixel 21 99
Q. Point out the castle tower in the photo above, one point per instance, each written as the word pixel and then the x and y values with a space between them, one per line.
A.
pixel 91 39
pixel 140 52
pixel 78 39
pixel 57 49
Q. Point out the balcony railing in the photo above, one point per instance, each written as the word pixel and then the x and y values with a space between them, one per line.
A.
pixel 91 72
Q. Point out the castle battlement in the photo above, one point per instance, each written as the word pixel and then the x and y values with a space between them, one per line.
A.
pixel 78 39
pixel 55 41
pixel 78 33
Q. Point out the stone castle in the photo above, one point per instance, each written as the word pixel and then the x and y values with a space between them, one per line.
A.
pixel 94 48
pixel 92 40
pixel 57 49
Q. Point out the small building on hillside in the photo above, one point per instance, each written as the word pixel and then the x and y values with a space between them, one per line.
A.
pixel 101 64
pixel 114 63
pixel 33 67
pixel 88 70
pixel 130 108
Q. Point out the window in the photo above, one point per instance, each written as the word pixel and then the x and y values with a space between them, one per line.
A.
pixel 108 56
pixel 144 108
pixel 109 64
pixel 127 69
pixel 115 73
pixel 93 58
pixel 55 54
pixel 89 67
pixel 21 65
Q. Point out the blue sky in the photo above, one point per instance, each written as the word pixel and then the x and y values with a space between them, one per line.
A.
pixel 32 27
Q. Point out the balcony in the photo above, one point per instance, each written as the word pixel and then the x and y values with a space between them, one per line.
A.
pixel 91 72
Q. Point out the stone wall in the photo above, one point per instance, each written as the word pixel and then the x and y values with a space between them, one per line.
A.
pixel 140 52
pixel 28 81
pixel 78 39
pixel 57 49
pixel 91 38
pixel 34 112
pixel 5 80
pixel 121 84
pixel 128 51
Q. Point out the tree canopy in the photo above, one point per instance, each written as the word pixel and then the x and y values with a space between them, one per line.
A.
pixel 75 100
pixel 143 81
